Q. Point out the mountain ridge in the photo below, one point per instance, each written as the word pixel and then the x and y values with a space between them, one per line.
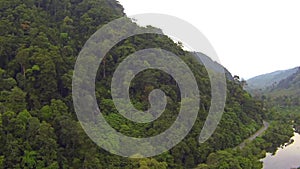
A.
pixel 39 128
pixel 268 79
pixel 284 89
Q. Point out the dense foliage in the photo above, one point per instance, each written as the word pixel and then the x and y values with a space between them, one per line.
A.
pixel 39 42
pixel 277 135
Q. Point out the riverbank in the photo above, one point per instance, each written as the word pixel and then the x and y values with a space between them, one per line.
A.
pixel 285 157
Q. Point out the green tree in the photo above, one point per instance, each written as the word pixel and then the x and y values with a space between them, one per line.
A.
pixel 29 159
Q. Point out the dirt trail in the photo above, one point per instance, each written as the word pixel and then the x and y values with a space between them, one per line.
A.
pixel 257 134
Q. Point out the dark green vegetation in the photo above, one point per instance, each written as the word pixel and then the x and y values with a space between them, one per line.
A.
pixel 277 135
pixel 39 42
pixel 289 115
pixel 283 115
pixel 249 157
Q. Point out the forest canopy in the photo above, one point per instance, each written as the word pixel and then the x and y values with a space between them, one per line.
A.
pixel 39 43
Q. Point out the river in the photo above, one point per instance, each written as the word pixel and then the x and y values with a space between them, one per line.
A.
pixel 285 158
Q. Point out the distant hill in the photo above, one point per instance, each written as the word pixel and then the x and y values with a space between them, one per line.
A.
pixel 280 87
pixel 270 79
pixel 289 86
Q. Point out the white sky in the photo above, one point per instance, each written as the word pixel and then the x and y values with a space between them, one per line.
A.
pixel 250 37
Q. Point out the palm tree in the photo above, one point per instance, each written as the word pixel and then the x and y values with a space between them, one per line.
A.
pixel 29 159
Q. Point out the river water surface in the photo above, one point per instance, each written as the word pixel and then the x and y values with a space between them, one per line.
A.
pixel 285 158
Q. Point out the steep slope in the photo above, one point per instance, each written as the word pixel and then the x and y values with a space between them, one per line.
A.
pixel 215 65
pixel 39 43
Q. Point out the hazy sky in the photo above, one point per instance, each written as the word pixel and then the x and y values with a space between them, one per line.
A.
pixel 250 37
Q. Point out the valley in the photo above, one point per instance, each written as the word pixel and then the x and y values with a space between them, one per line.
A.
pixel 40 44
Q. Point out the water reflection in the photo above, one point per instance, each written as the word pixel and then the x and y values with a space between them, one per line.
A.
pixel 285 158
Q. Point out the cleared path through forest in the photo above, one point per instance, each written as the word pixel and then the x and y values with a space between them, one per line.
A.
pixel 257 134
